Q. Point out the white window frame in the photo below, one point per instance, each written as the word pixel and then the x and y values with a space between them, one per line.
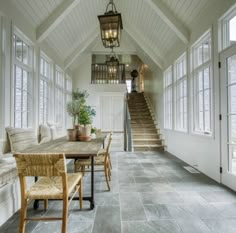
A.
pixel 68 97
pixel 2 92
pixel 59 104
pixel 26 119
pixel 224 28
pixel 181 94
pixel 196 70
pixel 168 98
pixel 46 78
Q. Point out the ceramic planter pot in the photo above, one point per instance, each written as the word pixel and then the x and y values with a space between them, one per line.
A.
pixel 71 134
pixel 85 133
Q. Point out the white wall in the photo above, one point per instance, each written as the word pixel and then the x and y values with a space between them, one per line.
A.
pixel 9 17
pixel 199 151
pixel 82 80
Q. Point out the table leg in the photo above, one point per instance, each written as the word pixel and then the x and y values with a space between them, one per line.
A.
pixel 92 183
pixel 36 202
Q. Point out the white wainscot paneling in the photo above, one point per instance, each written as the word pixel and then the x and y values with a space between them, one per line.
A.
pixel 10 199
pixel 112 113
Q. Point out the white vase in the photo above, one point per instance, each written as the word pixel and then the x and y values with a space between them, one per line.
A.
pixel 93 135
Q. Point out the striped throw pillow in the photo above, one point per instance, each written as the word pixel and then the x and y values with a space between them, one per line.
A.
pixel 21 138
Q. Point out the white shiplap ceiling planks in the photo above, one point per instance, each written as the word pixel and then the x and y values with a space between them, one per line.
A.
pixel 145 22
pixel 36 11
pixel 153 27
pixel 168 17
pixel 187 10
pixel 76 27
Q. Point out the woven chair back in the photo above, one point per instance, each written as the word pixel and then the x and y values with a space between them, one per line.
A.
pixel 40 164
pixel 108 144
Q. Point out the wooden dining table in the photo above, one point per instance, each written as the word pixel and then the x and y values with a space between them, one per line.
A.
pixel 73 150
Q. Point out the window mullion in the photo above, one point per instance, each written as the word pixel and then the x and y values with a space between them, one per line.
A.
pixel 203 101
pixel 22 103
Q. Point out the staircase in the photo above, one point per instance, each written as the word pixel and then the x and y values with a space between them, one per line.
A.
pixel 145 136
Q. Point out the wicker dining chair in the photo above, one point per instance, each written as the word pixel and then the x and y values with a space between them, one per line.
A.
pixel 53 183
pixel 100 160
pixel 102 152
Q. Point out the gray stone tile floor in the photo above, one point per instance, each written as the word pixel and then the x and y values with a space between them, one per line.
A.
pixel 151 192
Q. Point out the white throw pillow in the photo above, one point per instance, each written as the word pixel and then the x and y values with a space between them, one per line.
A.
pixel 45 134
pixel 53 131
pixel 21 139
pixel 56 130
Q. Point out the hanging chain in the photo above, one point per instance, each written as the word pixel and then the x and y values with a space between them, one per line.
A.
pixel 113 7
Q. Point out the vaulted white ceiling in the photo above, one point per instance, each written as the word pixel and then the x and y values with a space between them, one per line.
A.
pixel 151 27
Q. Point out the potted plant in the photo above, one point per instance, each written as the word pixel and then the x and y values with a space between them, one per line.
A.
pixel 73 109
pixel 85 121
pixel 80 97
pixel 93 133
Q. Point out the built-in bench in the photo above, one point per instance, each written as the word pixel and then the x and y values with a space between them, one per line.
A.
pixel 9 183
pixel 7 169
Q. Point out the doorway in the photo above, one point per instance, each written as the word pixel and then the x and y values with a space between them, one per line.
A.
pixel 228 111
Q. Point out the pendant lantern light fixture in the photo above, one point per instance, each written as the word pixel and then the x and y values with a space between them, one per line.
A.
pixel 110 26
pixel 112 64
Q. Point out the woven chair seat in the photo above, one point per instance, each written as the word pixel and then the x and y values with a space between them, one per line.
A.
pixel 102 152
pixel 51 187
pixel 99 160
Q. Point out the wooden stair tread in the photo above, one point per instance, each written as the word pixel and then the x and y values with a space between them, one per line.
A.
pixel 147 139
pixel 145 135
pixel 148 145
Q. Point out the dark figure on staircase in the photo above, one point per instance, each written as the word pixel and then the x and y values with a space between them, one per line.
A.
pixel 134 75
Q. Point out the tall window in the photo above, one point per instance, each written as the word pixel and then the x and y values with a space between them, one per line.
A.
pixel 168 101
pixel 228 28
pixel 68 98
pixel 22 77
pixel 2 48
pixel 181 93
pixel 45 76
pixel 202 84
pixel 59 96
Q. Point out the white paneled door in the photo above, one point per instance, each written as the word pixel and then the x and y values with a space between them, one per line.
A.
pixel 112 113
pixel 228 110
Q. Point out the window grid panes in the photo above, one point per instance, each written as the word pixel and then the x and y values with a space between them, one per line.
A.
pixel 22 76
pixel 228 29
pixel 231 108
pixel 59 97
pixel 168 98
pixel 45 70
pixel 68 98
pixel 202 79
pixel 181 94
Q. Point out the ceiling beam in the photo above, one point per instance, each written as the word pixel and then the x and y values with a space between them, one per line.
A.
pixel 80 49
pixel 51 22
pixel 167 16
pixel 140 41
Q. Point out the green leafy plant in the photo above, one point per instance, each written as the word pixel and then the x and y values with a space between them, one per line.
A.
pixel 80 95
pixel 93 130
pixel 73 109
pixel 78 109
pixel 86 115
pixel 74 106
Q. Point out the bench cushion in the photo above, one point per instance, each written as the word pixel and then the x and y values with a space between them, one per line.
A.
pixel 7 169
pixel 45 134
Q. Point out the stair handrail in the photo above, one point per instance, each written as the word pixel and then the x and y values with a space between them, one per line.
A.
pixel 128 133
pixel 150 106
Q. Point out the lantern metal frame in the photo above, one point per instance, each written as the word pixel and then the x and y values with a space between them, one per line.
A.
pixel 110 26
pixel 112 64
